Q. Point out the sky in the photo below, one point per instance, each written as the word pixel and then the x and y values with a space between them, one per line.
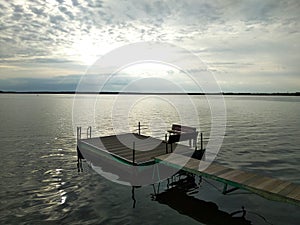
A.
pixel 248 46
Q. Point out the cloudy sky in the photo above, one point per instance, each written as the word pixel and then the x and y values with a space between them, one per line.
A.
pixel 248 45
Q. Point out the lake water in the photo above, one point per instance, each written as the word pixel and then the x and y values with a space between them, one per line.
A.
pixel 40 183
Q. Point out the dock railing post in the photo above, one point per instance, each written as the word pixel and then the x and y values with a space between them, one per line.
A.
pixel 78 133
pixel 202 149
pixel 133 153
pixel 166 140
pixel 89 132
pixel 201 135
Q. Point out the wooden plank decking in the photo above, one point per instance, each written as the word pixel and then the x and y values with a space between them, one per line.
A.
pixel 121 147
pixel 265 186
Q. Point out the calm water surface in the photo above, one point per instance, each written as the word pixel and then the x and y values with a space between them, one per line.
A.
pixel 40 183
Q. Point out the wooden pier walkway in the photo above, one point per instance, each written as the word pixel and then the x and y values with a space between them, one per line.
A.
pixel 267 187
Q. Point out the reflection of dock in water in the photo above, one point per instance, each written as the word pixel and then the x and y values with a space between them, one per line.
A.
pixel 177 197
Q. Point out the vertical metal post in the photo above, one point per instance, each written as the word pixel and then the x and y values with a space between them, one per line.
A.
pixel 78 133
pixel 166 140
pixel 79 161
pixel 201 141
pixel 139 127
pixel 224 189
pixel 89 132
pixel 133 153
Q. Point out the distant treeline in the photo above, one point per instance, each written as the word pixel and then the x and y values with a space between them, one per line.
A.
pixel 151 93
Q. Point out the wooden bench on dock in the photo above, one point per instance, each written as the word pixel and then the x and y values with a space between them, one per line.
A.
pixel 181 133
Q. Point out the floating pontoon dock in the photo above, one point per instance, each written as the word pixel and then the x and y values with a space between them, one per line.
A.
pixel 129 148
pixel 129 157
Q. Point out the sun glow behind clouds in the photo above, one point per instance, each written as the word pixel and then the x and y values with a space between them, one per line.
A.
pixel 149 69
pixel 86 50
pixel 238 40
pixel 149 77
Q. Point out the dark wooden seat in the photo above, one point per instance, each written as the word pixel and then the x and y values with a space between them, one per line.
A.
pixel 181 133
pixel 181 129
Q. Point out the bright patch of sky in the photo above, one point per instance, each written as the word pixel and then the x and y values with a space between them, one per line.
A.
pixel 248 45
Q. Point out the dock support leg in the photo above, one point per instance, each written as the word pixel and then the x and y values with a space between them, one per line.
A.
pixel 79 161
pixel 226 191
pixel 200 180
pixel 133 196
pixel 79 165
pixel 154 189
pixel 156 192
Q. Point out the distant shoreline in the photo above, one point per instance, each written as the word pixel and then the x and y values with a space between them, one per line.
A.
pixel 152 93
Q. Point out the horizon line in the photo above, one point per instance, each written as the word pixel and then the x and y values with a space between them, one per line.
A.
pixel 153 93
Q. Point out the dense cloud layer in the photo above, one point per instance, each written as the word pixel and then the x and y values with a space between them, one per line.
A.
pixel 249 45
